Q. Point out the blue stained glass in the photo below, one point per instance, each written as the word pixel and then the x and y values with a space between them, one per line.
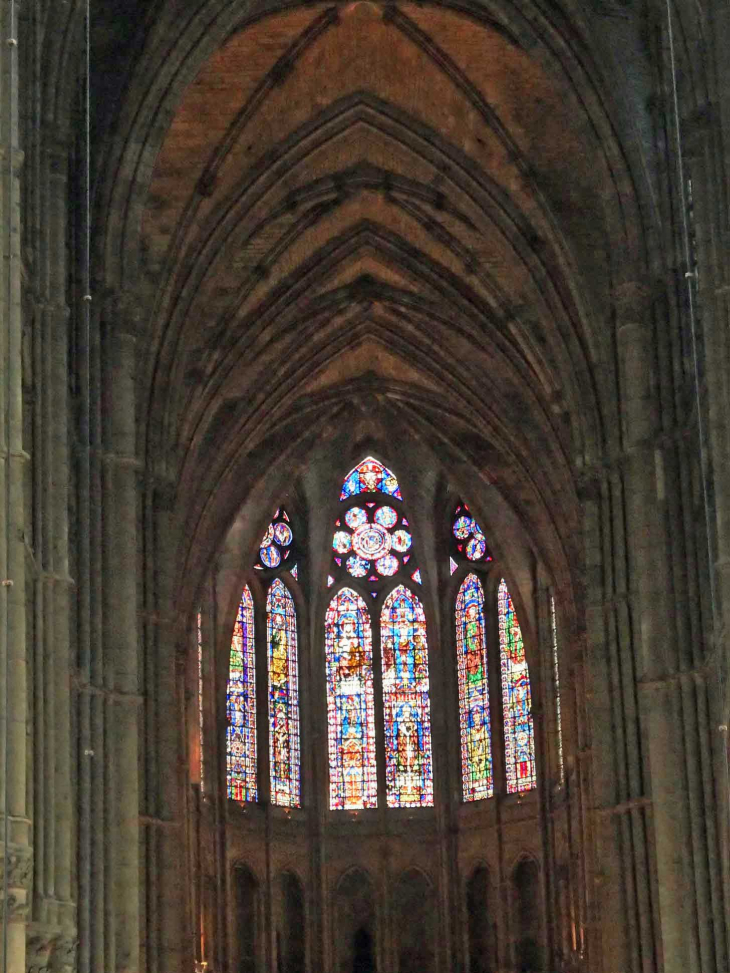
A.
pixel 406 704
pixel 370 476
pixel 519 738
pixel 350 707
pixel 241 706
pixel 281 632
pixel 471 647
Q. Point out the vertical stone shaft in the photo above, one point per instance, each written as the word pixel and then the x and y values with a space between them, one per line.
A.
pixel 120 630
pixel 655 648
pixel 13 688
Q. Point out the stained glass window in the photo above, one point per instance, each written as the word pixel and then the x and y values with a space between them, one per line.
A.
pixel 372 540
pixel 200 700
pixel 281 638
pixel 471 647
pixel 519 739
pixel 276 545
pixel 241 706
pixel 556 680
pixel 350 711
pixel 407 714
pixel 370 476
pixel 468 538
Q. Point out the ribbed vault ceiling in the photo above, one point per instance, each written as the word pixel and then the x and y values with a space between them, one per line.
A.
pixel 402 214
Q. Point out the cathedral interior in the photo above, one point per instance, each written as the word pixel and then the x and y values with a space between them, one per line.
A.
pixel 364 459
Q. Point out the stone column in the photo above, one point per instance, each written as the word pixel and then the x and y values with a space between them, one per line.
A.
pixel 13 682
pixel 121 637
pixel 654 642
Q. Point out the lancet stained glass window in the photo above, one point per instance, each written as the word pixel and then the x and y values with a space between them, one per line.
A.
pixel 281 638
pixel 519 738
pixel 406 705
pixel 350 710
pixel 556 682
pixel 471 647
pixel 241 706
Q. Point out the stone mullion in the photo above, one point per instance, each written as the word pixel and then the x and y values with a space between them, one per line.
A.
pixel 13 692
pixel 633 824
pixel 450 795
pixel 168 790
pixel 548 754
pixel 612 907
pixel 59 627
pixel 121 638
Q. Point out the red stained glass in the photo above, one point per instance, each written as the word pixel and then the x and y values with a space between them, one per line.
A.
pixel 241 706
pixel 471 649
pixel 519 737
pixel 406 704
pixel 350 707
pixel 281 638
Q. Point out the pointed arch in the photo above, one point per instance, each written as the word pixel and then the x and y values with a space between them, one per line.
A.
pixel 471 648
pixel 370 476
pixel 281 640
pixel 406 703
pixel 519 736
pixel 350 703
pixel 241 770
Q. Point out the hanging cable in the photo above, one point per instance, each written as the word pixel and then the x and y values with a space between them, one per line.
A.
pixel 690 278
pixel 12 46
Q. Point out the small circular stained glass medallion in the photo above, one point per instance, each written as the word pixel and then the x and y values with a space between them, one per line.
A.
pixel 356 516
pixel 371 541
pixel 357 566
pixel 387 565
pixel 463 526
pixel 283 534
pixel 476 548
pixel 270 556
pixel 268 536
pixel 342 542
pixel 385 516
pixel 401 540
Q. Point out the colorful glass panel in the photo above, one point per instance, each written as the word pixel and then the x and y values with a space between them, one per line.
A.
pixel 355 517
pixel 471 649
pixel 387 565
pixel 241 706
pixel 416 576
pixel 401 540
pixel 470 539
pixel 453 566
pixel 295 572
pixel 519 738
pixel 386 517
pixel 370 476
pixel 281 638
pixel 406 705
pixel 283 534
pixel 200 700
pixel 556 681
pixel 350 707
pixel 357 566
